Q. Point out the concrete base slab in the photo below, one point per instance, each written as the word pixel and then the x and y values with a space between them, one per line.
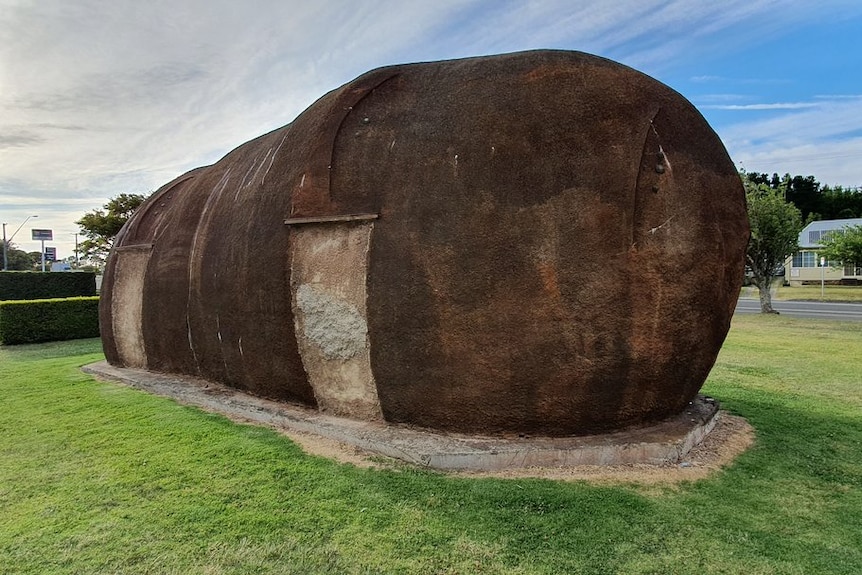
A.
pixel 666 442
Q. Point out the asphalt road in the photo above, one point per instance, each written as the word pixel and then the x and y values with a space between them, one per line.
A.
pixel 809 309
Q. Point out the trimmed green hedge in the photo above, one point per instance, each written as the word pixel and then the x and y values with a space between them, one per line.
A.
pixel 45 285
pixel 48 320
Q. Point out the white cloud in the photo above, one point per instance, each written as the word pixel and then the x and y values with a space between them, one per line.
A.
pixel 826 139
pixel 720 98
pixel 838 96
pixel 98 98
pixel 838 159
pixel 161 87
pixel 830 119
pixel 738 81
pixel 774 106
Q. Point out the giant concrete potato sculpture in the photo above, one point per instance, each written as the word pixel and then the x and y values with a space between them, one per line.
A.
pixel 544 242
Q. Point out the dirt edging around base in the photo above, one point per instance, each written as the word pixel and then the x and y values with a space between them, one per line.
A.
pixel 731 436
pixel 664 452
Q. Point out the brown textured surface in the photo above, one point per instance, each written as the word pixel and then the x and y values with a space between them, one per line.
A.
pixel 559 247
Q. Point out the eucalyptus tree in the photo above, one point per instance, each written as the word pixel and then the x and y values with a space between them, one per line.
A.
pixel 100 227
pixel 775 226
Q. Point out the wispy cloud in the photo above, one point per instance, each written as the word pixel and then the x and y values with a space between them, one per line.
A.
pixel 19 139
pixel 838 159
pixel 827 120
pixel 98 98
pixel 838 96
pixel 773 106
pixel 724 80
pixel 821 140
pixel 721 97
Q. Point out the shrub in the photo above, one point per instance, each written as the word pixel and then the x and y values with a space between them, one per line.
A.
pixel 45 285
pixel 48 320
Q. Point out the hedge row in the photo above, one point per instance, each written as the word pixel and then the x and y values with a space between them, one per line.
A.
pixel 45 285
pixel 36 321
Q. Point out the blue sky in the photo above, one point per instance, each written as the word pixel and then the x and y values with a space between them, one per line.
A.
pixel 103 97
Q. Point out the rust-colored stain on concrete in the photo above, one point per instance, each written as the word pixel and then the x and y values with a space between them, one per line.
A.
pixel 546 242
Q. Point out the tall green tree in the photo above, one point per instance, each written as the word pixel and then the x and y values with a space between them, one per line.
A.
pixel 839 202
pixel 100 227
pixel 844 247
pixel 816 201
pixel 804 193
pixel 775 226
pixel 17 260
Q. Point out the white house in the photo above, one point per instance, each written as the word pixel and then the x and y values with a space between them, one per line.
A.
pixel 805 264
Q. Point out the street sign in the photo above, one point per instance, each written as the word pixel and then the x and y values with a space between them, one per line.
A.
pixel 50 254
pixel 44 235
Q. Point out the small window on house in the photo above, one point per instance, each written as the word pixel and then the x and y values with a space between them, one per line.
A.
pixel 805 259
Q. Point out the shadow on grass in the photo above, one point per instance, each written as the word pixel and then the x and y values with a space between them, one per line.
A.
pixel 124 478
pixel 800 438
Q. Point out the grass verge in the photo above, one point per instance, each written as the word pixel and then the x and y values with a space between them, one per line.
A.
pixel 833 293
pixel 99 478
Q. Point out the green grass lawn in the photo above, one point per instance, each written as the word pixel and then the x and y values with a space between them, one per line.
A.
pixel 833 293
pixel 100 478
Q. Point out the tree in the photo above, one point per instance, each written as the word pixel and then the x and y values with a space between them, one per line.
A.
pixel 804 193
pixel 840 202
pixel 775 226
pixel 17 260
pixel 35 259
pixel 100 227
pixel 814 200
pixel 844 246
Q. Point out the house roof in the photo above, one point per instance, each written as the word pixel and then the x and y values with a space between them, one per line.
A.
pixel 811 234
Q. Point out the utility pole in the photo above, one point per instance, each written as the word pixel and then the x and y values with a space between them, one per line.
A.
pixel 6 242
pixel 77 259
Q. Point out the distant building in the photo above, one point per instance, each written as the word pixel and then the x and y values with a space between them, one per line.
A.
pixel 805 266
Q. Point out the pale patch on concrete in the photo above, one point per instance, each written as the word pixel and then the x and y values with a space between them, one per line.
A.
pixel 127 304
pixel 334 326
pixel 328 275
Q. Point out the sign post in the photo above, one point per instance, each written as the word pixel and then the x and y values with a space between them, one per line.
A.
pixel 822 275
pixel 42 235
